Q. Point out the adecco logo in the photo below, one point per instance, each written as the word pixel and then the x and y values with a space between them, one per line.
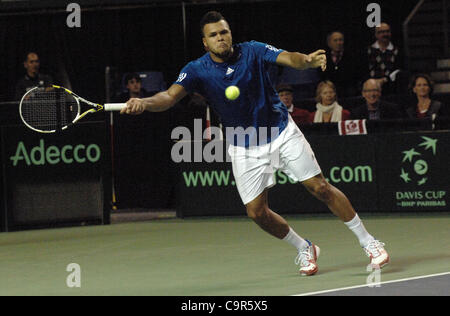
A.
pixel 68 154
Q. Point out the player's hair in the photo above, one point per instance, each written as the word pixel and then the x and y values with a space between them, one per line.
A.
pixel 210 17
pixel 321 86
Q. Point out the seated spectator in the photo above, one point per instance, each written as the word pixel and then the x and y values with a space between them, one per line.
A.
pixel 127 125
pixel 134 86
pixel 286 94
pixel 342 66
pixel 328 109
pixel 423 107
pixel 374 108
pixel 33 78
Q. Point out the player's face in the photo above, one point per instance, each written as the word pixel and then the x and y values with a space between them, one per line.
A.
pixel 217 39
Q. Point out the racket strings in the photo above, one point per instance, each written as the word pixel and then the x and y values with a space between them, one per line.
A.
pixel 49 110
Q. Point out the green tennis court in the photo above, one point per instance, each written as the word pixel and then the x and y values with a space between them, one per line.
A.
pixel 214 256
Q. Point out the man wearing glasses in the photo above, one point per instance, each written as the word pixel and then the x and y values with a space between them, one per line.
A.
pixel 384 60
pixel 374 108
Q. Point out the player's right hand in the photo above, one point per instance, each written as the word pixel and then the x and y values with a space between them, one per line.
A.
pixel 134 106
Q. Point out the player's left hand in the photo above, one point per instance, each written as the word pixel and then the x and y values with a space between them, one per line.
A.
pixel 317 59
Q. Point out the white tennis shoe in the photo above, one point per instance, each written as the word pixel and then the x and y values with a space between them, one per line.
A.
pixel 307 259
pixel 377 254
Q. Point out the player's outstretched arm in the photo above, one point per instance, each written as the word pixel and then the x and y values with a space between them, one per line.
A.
pixel 301 61
pixel 160 102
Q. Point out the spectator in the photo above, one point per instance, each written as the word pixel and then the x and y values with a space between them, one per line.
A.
pixel 342 67
pixel 132 136
pixel 33 77
pixel 286 94
pixel 126 126
pixel 328 109
pixel 134 87
pixel 424 107
pixel 384 63
pixel 374 108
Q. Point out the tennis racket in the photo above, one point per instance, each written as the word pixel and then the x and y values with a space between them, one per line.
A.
pixel 55 108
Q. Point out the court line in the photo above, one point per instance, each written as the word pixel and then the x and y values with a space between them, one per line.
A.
pixel 366 285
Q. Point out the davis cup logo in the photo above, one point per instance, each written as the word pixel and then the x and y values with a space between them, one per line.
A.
pixel 415 164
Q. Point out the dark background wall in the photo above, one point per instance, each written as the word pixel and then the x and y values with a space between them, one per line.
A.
pixel 149 36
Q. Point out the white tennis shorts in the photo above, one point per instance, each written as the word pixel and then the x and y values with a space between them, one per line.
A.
pixel 254 167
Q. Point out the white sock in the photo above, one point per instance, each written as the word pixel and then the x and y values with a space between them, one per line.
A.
pixel 357 227
pixel 295 240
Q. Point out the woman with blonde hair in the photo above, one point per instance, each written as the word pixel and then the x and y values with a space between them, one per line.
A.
pixel 328 109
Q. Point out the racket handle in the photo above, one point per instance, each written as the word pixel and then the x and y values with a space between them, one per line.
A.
pixel 114 106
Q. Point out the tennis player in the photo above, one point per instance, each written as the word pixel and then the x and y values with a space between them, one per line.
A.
pixel 259 107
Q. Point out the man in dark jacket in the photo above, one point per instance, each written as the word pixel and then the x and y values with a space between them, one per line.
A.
pixel 32 77
pixel 342 67
pixel 374 108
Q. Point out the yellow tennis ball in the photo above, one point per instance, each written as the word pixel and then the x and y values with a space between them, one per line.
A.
pixel 232 92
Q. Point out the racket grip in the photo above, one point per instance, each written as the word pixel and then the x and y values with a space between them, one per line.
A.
pixel 114 106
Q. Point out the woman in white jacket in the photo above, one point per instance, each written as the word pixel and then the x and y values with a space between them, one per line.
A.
pixel 327 108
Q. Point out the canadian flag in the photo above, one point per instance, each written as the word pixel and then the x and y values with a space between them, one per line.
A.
pixel 352 127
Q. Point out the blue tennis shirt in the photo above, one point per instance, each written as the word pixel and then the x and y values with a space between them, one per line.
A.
pixel 258 111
